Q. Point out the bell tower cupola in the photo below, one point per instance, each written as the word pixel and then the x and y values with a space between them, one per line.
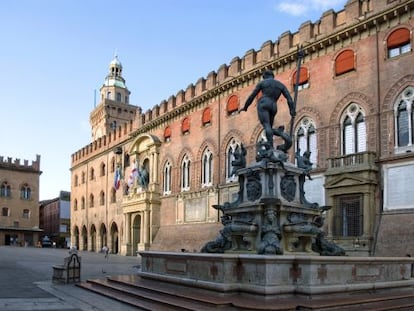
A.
pixel 113 109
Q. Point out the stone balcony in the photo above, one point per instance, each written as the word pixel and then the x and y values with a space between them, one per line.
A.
pixel 356 162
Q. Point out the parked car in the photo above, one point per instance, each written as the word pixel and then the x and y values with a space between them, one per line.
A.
pixel 46 242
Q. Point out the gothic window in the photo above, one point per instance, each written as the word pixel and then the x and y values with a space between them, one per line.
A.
pixel 83 203
pixel 5 190
pixel 348 216
pixel 354 136
pixel 207 168
pixel 344 62
pixel 306 139
pixel 206 119
pixel 26 214
pixel 103 169
pixel 303 82
pixel 232 105
pixel 113 164
pixel 91 200
pixel 185 173
pixel 230 150
pixel 403 120
pixel 102 198
pixel 113 195
pixel 167 134
pixel 25 192
pixel 167 178
pixel 75 205
pixel 185 126
pixel 5 211
pixel 399 42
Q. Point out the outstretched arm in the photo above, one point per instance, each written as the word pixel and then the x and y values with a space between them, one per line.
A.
pixel 251 98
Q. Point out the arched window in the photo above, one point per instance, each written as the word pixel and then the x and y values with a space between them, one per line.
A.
pixel 230 150
pixel 185 173
pixel 26 213
pixel 5 211
pixel 91 200
pixel 113 195
pixel 167 134
pixel 206 119
pixel 207 168
pixel 102 198
pixel 113 164
pixel 83 203
pixel 5 190
pixel 118 97
pixel 354 136
pixel 185 126
pixel 306 139
pixel 232 105
pixel 76 178
pixel 399 42
pixel 92 173
pixel 303 79
pixel 25 192
pixel 403 120
pixel 103 169
pixel 83 177
pixel 344 62
pixel 167 178
pixel 75 205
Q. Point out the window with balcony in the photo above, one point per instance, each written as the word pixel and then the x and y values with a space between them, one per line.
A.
pixel 354 136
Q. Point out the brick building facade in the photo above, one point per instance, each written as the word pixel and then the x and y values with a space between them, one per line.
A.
pixel 354 113
pixel 19 202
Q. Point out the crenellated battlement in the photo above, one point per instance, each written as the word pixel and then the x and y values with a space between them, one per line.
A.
pixel 278 55
pixel 103 143
pixel 9 163
pixel 315 38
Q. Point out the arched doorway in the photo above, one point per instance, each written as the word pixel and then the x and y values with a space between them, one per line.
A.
pixel 103 235
pixel 93 238
pixel 114 239
pixel 75 241
pixel 136 233
pixel 84 239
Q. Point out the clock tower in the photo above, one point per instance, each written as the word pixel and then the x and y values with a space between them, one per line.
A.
pixel 113 109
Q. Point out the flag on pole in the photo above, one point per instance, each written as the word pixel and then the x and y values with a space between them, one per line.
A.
pixel 133 175
pixel 117 181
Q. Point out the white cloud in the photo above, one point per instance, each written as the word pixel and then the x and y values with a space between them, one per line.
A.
pixel 304 7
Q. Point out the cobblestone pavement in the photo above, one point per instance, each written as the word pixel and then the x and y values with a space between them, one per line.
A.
pixel 26 280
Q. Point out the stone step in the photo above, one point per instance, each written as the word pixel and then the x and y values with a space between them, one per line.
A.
pixel 148 294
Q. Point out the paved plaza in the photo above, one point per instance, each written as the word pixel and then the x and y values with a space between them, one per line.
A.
pixel 26 279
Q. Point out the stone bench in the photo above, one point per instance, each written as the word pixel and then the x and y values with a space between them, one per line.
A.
pixel 69 272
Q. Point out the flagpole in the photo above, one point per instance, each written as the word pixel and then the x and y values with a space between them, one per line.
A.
pixel 295 96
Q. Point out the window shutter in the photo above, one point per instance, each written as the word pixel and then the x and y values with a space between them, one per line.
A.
pixel 167 132
pixel 344 62
pixel 206 116
pixel 313 148
pixel 398 38
pixel 185 126
pixel 349 139
pixel 303 76
pixel 233 104
pixel 362 137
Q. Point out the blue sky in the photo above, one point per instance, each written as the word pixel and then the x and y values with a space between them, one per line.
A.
pixel 55 54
